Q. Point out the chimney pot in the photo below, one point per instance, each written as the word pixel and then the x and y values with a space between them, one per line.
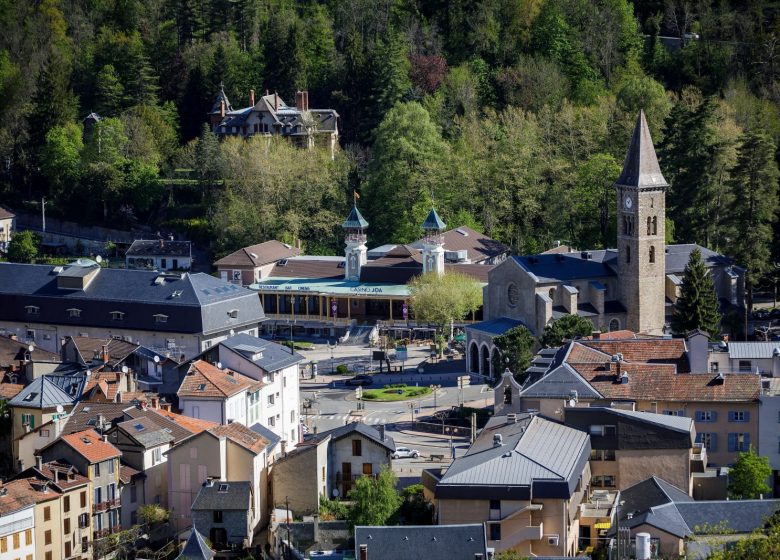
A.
pixel 276 101
pixel 363 552
pixel 252 97
pixel 39 462
pixel 222 108
pixel 596 335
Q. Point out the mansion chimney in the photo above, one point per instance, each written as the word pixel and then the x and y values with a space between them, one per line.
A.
pixel 222 108
pixel 355 252
pixel 433 243
pixel 251 98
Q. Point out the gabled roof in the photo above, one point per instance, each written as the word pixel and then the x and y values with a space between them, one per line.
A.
pixel 241 435
pixel 309 266
pixel 752 350
pixel 159 247
pixel 92 349
pixel 478 245
pixel 224 495
pixel 204 380
pixel 640 168
pixel 48 391
pixel 60 474
pixel 355 220
pixel 260 254
pixel 5 213
pixel 18 496
pixel 265 354
pixel 196 548
pixel 146 432
pixel 14 351
pixel 352 428
pixel 180 426
pixel 85 415
pixel 433 221
pixel 221 97
pixel 438 542
pixel 90 445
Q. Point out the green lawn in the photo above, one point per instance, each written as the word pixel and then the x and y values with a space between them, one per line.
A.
pixel 395 393
pixel 298 344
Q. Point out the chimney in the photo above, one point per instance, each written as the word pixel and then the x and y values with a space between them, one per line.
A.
pixel 299 101
pixel 221 107
pixel 251 98
pixel 105 438
pixel 306 99
pixel 382 432
pixel 39 462
pixel 155 402
pixel 363 552
pixel 13 337
pixel 595 335
pixel 498 440
pixel 118 375
pixel 511 418
pixel 162 243
pixel 276 101
pixel 101 422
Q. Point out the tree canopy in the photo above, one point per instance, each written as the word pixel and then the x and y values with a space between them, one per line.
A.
pixel 697 306
pixel 567 327
pixel 374 500
pixel 514 352
pixel 748 476
pixel 439 299
pixel 23 247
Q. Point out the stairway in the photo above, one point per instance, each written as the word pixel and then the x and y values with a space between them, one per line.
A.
pixel 359 335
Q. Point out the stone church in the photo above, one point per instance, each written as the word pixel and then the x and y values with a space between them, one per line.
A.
pixel 633 286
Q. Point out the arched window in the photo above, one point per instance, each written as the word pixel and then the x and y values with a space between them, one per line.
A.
pixel 655 225
pixel 628 253
pixel 614 325
pixel 649 225
pixel 652 254
pixel 508 395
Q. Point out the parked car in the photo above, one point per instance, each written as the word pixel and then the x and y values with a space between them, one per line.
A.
pixel 359 380
pixel 404 452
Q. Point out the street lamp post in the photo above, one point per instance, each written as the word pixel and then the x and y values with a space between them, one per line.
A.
pixel 434 388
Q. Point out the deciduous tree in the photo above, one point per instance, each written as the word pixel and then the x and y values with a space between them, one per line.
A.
pixel 567 327
pixel 441 299
pixel 748 476
pixel 514 352
pixel 375 500
pixel 23 247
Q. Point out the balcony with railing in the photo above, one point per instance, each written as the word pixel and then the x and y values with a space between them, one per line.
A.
pixel 106 505
pixel 698 458
pixel 102 533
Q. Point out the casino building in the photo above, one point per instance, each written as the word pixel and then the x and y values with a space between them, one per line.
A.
pixel 329 296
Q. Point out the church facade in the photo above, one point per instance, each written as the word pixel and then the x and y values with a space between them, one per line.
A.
pixel 633 286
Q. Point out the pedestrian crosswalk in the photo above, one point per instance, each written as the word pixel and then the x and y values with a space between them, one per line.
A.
pixel 347 418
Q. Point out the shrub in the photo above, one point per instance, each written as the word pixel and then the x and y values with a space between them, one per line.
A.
pixel 342 369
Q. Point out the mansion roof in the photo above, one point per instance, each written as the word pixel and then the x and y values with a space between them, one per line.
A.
pixel 259 254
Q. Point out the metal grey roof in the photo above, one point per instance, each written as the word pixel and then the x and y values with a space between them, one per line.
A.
pixel 740 516
pixel 274 356
pixel 193 303
pixel 434 542
pixel 560 382
pixel 433 221
pixel 526 458
pixel 159 247
pixel 640 168
pixel 272 437
pixel 355 220
pixel 495 326
pixel 677 256
pixel 677 423
pixel 196 548
pixel 752 350
pixel 224 495
pixel 48 391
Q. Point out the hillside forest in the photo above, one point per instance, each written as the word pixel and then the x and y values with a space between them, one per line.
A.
pixel 511 116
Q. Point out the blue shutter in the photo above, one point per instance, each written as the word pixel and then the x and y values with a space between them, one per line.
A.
pixel 699 416
pixel 731 415
pixel 747 441
pixel 732 441
pixel 713 442
pixel 747 416
pixel 680 413
pixel 698 438
pixel 714 415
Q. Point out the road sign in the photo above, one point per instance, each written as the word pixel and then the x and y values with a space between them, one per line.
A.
pixel 359 393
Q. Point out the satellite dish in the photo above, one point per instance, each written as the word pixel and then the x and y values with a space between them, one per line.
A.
pixel 219 365
pixel 124 369
pixel 157 359
pixel 31 347
pixel 60 410
pixel 99 259
pixel 232 332
pixel 335 493
pixel 88 372
pixel 572 402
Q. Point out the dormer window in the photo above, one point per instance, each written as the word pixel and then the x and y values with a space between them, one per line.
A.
pixel 233 313
pixel 117 315
pixel 32 309
pixel 160 318
pixel 74 313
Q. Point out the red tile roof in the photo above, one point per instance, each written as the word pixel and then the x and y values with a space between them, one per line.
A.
pixel 258 255
pixel 90 445
pixel 20 494
pixel 241 435
pixel 644 350
pixel 193 425
pixel 205 380
pixel 10 390
pixel 127 473
pixel 63 475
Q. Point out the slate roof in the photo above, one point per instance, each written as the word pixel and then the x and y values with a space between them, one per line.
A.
pixel 204 380
pixel 355 220
pixel 196 548
pixel 146 432
pixel 13 351
pixel 272 437
pixel 640 168
pixel 5 213
pixel 239 434
pixel 85 415
pixel 159 247
pixel 677 257
pixel 193 303
pixel 740 516
pixel 259 254
pixel 433 221
pixel 92 348
pixel 265 354
pixel 216 107
pixel 438 542
pixel 676 423
pixel 223 495
pixel 48 391
pixel 352 428
pixel 495 327
pixel 309 267
pixel 752 350
pixel 525 464
pixel 90 445
pixel 479 246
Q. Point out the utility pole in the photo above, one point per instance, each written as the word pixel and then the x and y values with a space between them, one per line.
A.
pixel 43 214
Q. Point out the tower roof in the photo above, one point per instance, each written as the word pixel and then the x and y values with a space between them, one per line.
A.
pixel 433 221
pixel 355 220
pixel 221 97
pixel 640 168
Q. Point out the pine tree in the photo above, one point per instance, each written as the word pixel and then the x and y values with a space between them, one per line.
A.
pixel 697 306
pixel 108 92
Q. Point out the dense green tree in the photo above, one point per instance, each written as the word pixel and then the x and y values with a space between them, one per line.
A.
pixel 61 158
pixel 514 352
pixel 748 476
pixel 109 93
pixel 592 200
pixel 441 299
pixel 697 307
pixel 755 186
pixel 23 247
pixel 374 500
pixel 567 327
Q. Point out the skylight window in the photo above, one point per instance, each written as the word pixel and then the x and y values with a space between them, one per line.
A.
pixel 139 427
pixel 160 318
pixel 223 488
pixel 32 309
pixel 233 313
pixel 202 387
pixel 30 397
pixel 117 315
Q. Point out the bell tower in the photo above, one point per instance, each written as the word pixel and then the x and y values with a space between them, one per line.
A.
pixel 641 215
pixel 355 240
pixel 433 244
